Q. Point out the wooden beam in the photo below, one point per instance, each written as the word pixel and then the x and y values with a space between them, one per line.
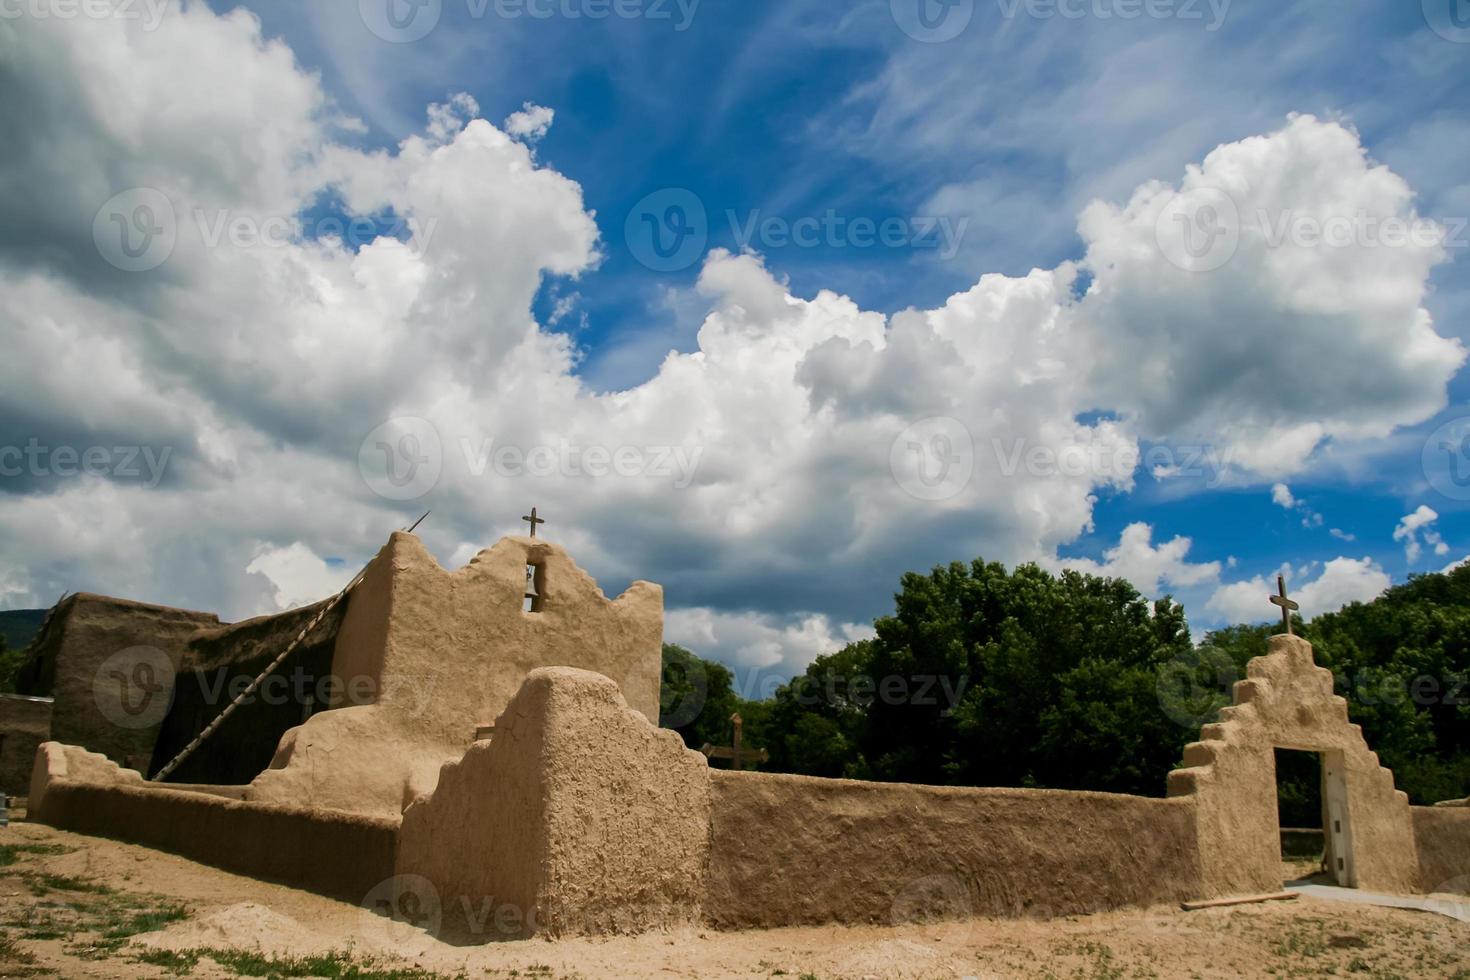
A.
pixel 1215 903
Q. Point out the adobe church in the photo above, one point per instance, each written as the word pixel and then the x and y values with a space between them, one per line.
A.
pixel 451 738
pixel 387 685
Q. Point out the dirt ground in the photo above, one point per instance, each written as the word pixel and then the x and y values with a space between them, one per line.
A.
pixel 74 906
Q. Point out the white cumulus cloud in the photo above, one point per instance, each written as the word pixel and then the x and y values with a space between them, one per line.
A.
pixel 1412 527
pixel 776 478
pixel 1341 581
pixel 298 577
pixel 1148 567
pixel 531 122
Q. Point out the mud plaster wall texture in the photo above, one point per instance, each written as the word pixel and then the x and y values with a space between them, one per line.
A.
pixel 107 656
pixel 340 855
pixel 216 665
pixel 444 652
pixel 578 816
pixel 24 724
pixel 1287 701
pixel 1443 838
pixel 794 850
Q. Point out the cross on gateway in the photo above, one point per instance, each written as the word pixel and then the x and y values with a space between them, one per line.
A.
pixel 735 753
pixel 1288 606
pixel 533 520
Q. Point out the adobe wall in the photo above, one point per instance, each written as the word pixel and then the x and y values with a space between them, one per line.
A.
pixel 796 850
pixel 336 854
pixel 442 653
pixel 1287 701
pixel 1442 835
pixel 580 816
pixel 24 724
pixel 216 665
pixel 109 665
pixel 461 642
pixel 577 816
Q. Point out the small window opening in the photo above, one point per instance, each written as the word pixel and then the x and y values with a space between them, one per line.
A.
pixel 534 599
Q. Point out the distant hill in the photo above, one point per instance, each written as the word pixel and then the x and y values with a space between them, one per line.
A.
pixel 19 625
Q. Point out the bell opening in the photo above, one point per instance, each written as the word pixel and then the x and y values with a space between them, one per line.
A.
pixel 532 601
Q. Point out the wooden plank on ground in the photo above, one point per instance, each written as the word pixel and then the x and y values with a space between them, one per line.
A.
pixel 1215 903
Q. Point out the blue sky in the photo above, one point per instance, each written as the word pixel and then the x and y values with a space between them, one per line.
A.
pixel 788 109
pixel 1012 136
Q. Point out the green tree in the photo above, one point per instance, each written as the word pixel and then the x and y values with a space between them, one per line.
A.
pixel 816 721
pixel 10 661
pixel 1403 664
pixel 988 677
pixel 1060 678
pixel 697 697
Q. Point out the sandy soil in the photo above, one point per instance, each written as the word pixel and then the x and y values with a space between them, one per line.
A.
pixel 62 894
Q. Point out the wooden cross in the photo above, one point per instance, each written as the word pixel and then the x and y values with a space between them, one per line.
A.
pixel 1288 606
pixel 533 520
pixel 735 753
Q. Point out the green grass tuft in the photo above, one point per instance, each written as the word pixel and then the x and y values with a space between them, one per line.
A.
pixel 10 951
pixel 333 966
pixel 43 884
pixel 10 853
pixel 179 962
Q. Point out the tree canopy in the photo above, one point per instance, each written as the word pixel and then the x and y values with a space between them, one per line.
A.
pixel 987 677
pixel 10 661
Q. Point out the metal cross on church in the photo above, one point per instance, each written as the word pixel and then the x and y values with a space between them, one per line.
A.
pixel 735 753
pixel 1288 606
pixel 533 520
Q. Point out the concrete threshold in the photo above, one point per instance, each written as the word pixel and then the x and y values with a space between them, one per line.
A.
pixel 1452 906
